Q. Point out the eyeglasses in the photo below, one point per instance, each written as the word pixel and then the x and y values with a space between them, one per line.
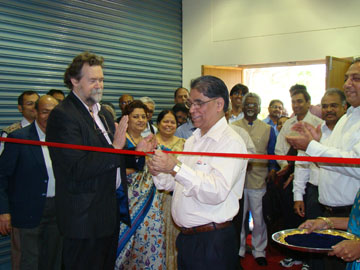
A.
pixel 196 104
pixel 126 102
pixel 251 105
pixel 276 107
pixel 29 103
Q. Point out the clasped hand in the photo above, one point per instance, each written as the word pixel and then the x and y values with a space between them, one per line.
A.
pixel 307 133
pixel 161 162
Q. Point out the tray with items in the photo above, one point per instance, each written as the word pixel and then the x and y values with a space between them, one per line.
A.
pixel 318 241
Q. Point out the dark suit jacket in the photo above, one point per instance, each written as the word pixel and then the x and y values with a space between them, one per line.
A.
pixel 23 180
pixel 85 181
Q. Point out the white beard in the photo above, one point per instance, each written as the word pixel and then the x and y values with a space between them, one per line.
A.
pixel 250 113
pixel 96 95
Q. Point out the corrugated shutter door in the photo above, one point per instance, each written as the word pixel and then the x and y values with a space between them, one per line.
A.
pixel 141 42
pixel 5 260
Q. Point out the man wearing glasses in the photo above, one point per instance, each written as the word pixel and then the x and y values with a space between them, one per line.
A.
pixel 124 100
pixel 276 107
pixel 26 106
pixel 91 190
pixel 206 189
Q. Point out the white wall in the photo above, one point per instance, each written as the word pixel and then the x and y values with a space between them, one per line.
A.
pixel 233 32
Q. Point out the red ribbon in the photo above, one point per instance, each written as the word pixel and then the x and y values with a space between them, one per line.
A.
pixel 231 155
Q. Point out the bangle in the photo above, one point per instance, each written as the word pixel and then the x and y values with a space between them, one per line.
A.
pixel 328 222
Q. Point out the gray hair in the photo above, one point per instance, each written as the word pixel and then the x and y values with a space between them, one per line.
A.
pixel 147 100
pixel 251 94
pixel 336 91
pixel 356 60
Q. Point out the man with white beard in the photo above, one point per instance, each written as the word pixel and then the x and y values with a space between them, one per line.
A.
pixel 264 138
pixel 91 190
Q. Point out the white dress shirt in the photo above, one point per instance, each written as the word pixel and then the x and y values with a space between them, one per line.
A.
pixel 95 115
pixel 207 189
pixel 307 171
pixel 282 146
pixel 51 181
pixel 338 185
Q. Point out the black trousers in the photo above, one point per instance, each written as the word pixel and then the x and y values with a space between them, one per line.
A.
pixel 91 254
pixel 238 221
pixel 333 262
pixel 313 210
pixel 208 250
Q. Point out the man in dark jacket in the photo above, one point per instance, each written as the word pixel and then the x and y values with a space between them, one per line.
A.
pixel 87 208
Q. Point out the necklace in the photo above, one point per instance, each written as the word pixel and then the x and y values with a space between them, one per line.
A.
pixel 132 139
pixel 169 144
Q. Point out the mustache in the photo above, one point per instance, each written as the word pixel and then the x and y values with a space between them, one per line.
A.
pixel 96 90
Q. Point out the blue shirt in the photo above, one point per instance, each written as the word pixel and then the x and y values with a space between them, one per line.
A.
pixel 234 118
pixel 270 122
pixel 185 130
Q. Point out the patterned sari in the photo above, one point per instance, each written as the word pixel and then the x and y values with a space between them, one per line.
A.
pixel 171 230
pixel 142 246
pixel 354 228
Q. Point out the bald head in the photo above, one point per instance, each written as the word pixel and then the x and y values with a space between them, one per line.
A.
pixel 44 106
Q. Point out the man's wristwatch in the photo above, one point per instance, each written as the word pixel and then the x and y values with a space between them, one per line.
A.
pixel 177 167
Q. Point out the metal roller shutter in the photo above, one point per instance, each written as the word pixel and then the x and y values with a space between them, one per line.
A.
pixel 141 42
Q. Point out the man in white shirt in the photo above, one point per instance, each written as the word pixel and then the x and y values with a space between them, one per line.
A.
pixel 306 175
pixel 206 189
pixel 300 101
pixel 339 183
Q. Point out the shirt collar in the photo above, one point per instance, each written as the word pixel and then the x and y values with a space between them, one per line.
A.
pixel 214 132
pixel 24 122
pixel 306 118
pixel 40 133
pixel 95 107
pixel 353 110
pixel 324 127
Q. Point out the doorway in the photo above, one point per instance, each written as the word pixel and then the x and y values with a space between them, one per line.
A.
pixel 274 83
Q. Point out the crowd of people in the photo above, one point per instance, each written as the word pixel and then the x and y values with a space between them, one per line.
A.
pixel 67 208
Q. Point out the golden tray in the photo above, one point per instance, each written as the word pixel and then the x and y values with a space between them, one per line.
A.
pixel 279 237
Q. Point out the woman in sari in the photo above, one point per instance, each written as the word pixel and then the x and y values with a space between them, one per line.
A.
pixel 141 246
pixel 347 250
pixel 166 122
